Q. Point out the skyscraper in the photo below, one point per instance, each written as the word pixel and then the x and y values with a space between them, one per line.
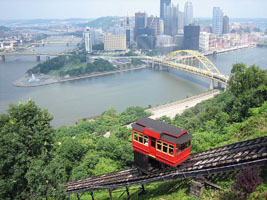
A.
pixel 114 42
pixel 171 19
pixel 156 23
pixel 188 13
pixel 162 4
pixel 217 21
pixel 140 22
pixel 181 21
pixel 146 42
pixel 191 37
pixel 226 27
pixel 129 29
pixel 88 40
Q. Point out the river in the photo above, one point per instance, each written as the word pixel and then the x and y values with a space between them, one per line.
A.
pixel 74 100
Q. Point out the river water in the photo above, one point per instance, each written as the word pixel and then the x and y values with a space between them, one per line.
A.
pixel 78 99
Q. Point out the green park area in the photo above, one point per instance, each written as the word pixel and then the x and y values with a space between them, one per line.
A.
pixel 78 64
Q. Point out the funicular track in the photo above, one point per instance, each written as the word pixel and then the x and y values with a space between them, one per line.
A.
pixel 226 158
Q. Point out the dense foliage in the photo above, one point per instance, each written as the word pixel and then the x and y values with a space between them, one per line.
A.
pixel 27 165
pixel 98 65
pixel 53 64
pixel 136 62
pixel 85 151
pixel 247 89
pixel 58 63
pixel 73 65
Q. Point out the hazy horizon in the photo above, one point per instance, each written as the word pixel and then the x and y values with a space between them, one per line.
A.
pixel 77 18
pixel 92 9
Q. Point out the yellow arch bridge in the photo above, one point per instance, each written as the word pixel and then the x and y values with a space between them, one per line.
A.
pixel 192 62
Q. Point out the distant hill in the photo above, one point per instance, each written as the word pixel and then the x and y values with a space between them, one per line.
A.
pixel 44 21
pixel 4 28
pixel 102 22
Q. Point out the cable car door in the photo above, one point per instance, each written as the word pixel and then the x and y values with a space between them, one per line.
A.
pixel 152 147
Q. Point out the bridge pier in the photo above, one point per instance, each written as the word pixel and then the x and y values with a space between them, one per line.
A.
pixel 47 57
pixel 38 58
pixel 3 58
pixel 92 195
pixel 196 188
pixel 211 84
pixel 110 194
pixel 160 66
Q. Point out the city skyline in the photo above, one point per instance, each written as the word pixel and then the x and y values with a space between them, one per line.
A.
pixel 62 9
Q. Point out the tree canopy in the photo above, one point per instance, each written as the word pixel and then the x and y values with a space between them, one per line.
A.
pixel 26 137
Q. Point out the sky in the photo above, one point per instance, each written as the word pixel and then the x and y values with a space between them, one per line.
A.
pixel 63 9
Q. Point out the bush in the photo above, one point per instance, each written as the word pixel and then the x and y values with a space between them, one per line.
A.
pixel 247 182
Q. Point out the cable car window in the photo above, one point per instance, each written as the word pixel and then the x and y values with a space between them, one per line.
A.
pixel 165 148
pixel 185 146
pixel 153 143
pixel 146 140
pixel 159 145
pixel 140 138
pixel 171 149
pixel 135 136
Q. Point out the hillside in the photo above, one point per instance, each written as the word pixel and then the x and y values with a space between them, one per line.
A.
pixel 4 28
pixel 70 153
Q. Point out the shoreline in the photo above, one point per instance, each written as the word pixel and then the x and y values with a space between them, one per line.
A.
pixel 22 82
pixel 53 79
pixel 178 107
pixel 230 50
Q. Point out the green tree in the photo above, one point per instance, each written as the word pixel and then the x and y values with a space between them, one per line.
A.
pixel 25 135
pixel 71 152
pixel 123 133
pixel 131 114
pixel 165 119
pixel 87 167
pixel 105 165
pixel 46 179
pixel 249 88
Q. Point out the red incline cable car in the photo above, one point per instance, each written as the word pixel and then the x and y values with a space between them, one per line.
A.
pixel 156 143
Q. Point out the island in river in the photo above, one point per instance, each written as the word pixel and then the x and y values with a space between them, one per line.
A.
pixel 74 67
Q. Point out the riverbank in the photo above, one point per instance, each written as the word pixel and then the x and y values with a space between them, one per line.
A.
pixel 178 107
pixel 47 80
pixel 229 50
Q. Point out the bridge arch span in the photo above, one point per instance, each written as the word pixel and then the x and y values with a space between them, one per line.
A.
pixel 194 58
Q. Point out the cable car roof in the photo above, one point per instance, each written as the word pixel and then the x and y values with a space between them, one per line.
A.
pixel 167 132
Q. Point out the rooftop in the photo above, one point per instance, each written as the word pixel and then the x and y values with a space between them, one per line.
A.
pixel 167 132
pixel 161 127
